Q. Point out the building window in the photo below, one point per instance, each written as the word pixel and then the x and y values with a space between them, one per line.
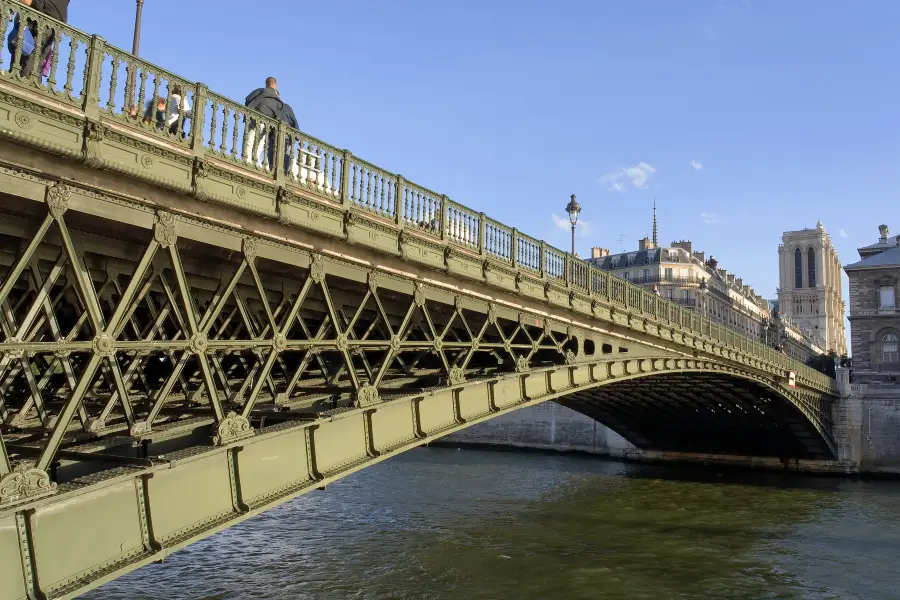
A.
pixel 646 274
pixel 811 267
pixel 625 275
pixel 668 274
pixel 798 269
pixel 890 349
pixel 886 298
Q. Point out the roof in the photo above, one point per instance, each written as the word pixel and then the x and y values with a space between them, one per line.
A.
pixel 888 258
pixel 639 257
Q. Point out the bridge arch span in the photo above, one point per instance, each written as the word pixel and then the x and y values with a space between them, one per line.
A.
pixel 108 523
pixel 709 412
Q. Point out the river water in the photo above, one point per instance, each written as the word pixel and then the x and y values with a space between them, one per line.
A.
pixel 444 524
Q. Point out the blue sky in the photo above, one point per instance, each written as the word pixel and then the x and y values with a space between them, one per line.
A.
pixel 744 117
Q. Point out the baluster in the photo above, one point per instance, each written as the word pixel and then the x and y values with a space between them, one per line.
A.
pixel 353 185
pixel 234 133
pixel 213 127
pixel 334 169
pixel 54 61
pixel 70 72
pixel 142 93
pixel 17 55
pixel 113 80
pixel 223 145
pixel 434 216
pixel 385 209
pixel 368 200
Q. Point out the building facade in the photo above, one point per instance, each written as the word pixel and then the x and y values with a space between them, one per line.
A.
pixel 874 308
pixel 683 275
pixel 809 291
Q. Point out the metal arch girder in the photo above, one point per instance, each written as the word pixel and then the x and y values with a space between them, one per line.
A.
pixel 127 517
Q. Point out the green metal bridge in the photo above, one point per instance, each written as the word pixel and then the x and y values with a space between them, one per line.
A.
pixel 190 336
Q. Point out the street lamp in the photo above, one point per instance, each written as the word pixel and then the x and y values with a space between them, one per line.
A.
pixel 135 47
pixel 573 208
pixel 137 28
pixel 704 289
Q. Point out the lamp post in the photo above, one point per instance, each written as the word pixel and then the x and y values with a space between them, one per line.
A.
pixel 135 48
pixel 704 289
pixel 573 208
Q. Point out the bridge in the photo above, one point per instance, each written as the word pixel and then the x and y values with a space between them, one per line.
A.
pixel 190 336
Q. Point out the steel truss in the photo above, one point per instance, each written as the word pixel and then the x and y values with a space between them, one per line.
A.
pixel 121 335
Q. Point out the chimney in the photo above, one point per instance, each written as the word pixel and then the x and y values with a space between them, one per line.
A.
pixel 597 252
pixel 739 281
pixel 684 245
pixel 645 244
pixel 883 230
pixel 701 256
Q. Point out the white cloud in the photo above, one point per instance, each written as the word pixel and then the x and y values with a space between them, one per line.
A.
pixel 638 175
pixel 843 233
pixel 583 228
pixel 709 218
pixel 698 166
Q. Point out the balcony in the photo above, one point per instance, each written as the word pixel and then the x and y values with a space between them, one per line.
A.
pixel 689 302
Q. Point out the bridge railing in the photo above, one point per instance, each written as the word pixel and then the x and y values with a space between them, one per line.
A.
pixel 111 85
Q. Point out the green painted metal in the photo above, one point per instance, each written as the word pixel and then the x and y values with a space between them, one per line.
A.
pixel 180 320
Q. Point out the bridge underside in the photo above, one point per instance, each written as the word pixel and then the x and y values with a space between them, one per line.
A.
pixel 702 413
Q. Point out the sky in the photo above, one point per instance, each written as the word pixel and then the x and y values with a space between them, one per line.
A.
pixel 745 118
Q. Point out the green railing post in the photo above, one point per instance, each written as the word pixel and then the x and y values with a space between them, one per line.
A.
pixel 346 192
pixel 398 203
pixel 445 217
pixel 513 244
pixel 200 96
pixel 542 260
pixel 280 149
pixel 95 53
pixel 568 265
pixel 481 234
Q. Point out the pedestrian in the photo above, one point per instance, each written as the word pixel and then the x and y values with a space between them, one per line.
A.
pixel 267 101
pixel 156 111
pixel 179 109
pixel 57 9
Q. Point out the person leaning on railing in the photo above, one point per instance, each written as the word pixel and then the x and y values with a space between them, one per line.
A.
pixel 59 10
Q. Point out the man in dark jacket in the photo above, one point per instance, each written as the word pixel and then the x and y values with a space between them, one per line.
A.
pixel 268 101
pixel 57 9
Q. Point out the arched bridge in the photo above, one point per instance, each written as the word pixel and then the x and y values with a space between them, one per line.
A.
pixel 189 336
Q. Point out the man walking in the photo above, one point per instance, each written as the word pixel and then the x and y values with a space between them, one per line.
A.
pixel 267 101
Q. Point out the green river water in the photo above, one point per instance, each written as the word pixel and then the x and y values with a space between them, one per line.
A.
pixel 445 524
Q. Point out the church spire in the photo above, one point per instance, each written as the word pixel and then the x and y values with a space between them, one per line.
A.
pixel 655 239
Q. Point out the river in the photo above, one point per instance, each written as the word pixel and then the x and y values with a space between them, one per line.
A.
pixel 445 524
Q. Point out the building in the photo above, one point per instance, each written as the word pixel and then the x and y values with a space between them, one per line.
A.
pixel 810 285
pixel 682 275
pixel 874 310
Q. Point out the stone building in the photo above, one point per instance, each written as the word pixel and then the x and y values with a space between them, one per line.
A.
pixel 810 291
pixel 683 275
pixel 874 309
